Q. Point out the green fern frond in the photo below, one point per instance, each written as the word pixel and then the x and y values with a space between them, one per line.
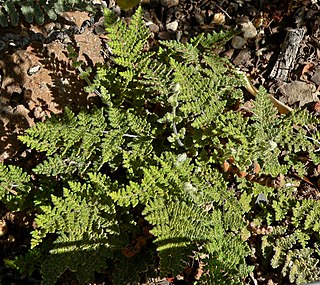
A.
pixel 177 227
pixel 149 163
pixel 85 225
pixel 69 142
pixel 14 186
pixel 226 264
pixel 84 262
pixel 306 213
pixel 211 42
pixel 301 266
pixel 134 37
pixel 73 214
pixel 187 52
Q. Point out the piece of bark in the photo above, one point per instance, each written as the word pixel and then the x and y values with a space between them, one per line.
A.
pixel 288 53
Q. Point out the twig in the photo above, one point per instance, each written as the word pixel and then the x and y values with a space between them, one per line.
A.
pixel 225 12
pixel 282 108
pixel 11 190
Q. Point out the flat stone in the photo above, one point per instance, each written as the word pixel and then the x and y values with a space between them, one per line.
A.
pixel 316 77
pixel 238 42
pixel 297 92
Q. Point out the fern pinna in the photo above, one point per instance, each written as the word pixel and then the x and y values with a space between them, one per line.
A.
pixel 153 177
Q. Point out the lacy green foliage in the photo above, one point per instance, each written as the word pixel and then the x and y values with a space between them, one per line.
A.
pixel 28 262
pixel 293 254
pixel 289 133
pixel 142 263
pixel 84 218
pixel 183 202
pixel 177 228
pixel 70 142
pixel 226 262
pixel 153 153
pixel 77 144
pixel 14 186
pixel 36 11
pixel 269 135
pixel 131 64
pixel 291 246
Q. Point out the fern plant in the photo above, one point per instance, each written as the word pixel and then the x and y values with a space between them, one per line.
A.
pixel 153 176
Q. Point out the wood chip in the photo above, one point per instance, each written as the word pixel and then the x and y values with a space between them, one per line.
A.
pixel 288 54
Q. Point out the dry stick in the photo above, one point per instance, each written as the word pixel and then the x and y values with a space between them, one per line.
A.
pixel 225 12
pixel 282 108
pixel 14 192
pixel 288 54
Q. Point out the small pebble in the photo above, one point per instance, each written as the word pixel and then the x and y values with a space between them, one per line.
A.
pixel 238 42
pixel 316 76
pixel 169 3
pixel 173 26
pixel 34 69
pixel 164 35
pixel 316 107
pixel 249 30
pixel 219 19
pixel 199 18
pixel 3 227
pixel 154 28
pixel 37 112
pixel 11 238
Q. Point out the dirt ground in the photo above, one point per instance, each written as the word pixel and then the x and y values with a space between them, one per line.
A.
pixel 38 81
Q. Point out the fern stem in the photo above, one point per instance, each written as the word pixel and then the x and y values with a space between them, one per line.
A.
pixel 174 126
pixel 176 133
pixel 87 80
pixel 313 139
pixel 130 136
